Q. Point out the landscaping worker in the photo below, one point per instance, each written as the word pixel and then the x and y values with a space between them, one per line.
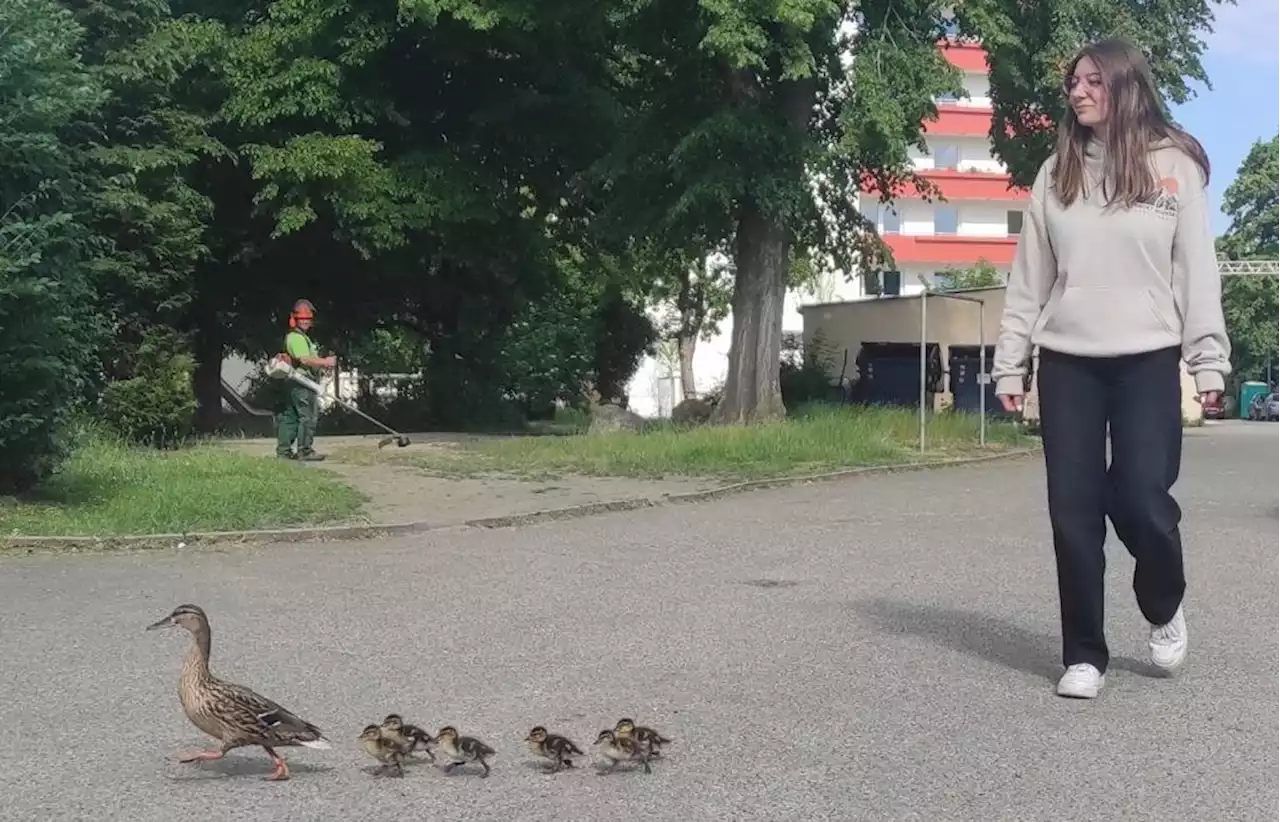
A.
pixel 302 408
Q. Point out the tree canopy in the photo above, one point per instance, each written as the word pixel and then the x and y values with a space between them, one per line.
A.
pixel 494 189
pixel 1251 304
pixel 48 331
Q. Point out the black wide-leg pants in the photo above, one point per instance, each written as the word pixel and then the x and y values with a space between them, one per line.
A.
pixel 1139 398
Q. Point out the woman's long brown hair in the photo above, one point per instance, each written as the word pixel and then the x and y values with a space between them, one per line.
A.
pixel 1135 120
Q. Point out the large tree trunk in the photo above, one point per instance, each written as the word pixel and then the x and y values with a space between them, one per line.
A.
pixel 687 343
pixel 207 379
pixel 751 390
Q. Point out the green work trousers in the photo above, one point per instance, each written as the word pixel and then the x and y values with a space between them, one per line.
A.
pixel 297 421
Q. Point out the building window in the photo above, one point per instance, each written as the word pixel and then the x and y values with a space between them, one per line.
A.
pixel 946 156
pixel 890 222
pixel 1013 223
pixel 945 220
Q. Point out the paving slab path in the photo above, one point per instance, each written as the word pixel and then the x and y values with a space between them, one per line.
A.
pixel 882 648
pixel 400 492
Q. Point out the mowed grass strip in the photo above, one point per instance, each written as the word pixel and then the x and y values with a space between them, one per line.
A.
pixel 815 440
pixel 110 489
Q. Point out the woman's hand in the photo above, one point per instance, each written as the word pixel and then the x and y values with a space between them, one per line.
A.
pixel 1010 402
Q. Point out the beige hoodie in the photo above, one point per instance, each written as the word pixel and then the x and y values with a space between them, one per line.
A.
pixel 1103 282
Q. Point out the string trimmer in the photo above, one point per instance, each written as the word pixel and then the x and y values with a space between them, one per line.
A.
pixel 280 369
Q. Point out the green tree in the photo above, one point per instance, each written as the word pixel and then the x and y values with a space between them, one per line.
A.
pixel 416 169
pixel 760 122
pixel 144 141
pixel 1250 303
pixel 693 292
pixel 48 333
pixel 981 274
pixel 583 339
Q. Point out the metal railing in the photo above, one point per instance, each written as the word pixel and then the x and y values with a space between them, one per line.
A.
pixel 1249 268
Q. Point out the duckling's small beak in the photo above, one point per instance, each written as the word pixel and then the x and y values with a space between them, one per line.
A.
pixel 167 622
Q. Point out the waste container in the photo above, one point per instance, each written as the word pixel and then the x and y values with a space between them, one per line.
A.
pixel 963 363
pixel 1249 390
pixel 889 373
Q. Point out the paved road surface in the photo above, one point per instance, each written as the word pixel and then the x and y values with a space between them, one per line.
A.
pixel 871 649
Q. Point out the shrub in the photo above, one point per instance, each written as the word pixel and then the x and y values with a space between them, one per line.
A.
pixel 157 405
pixel 47 332
pixel 44 353
pixel 803 374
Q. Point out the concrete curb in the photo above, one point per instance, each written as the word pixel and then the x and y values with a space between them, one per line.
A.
pixel 140 542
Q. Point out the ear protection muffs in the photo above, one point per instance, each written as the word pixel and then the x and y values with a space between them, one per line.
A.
pixel 302 310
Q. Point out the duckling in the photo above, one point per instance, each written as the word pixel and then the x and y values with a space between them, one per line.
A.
pixel 230 713
pixel 554 747
pixel 622 748
pixel 385 750
pixel 650 737
pixel 462 749
pixel 407 738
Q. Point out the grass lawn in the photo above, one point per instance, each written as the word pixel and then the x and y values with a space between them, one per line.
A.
pixel 815 440
pixel 109 489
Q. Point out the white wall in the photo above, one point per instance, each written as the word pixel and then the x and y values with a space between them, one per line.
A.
pixel 973 218
pixel 973 154
pixel 984 219
pixel 979 90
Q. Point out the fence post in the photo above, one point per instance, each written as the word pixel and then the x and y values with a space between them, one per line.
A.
pixel 924 300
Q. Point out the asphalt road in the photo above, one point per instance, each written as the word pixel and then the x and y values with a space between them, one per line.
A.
pixel 869 649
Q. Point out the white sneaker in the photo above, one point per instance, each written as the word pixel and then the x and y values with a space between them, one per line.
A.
pixel 1081 681
pixel 1168 643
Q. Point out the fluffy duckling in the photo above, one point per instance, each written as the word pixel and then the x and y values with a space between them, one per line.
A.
pixel 554 747
pixel 384 749
pixel 233 714
pixel 622 749
pixel 462 749
pixel 406 737
pixel 650 737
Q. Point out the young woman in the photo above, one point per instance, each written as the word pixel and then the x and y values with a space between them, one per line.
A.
pixel 1115 279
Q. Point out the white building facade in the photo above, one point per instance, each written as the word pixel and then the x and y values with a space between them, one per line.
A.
pixel 980 220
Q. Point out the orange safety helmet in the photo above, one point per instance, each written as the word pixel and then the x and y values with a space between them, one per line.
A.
pixel 302 310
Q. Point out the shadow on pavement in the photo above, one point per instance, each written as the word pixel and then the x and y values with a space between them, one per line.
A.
pixel 977 634
pixel 985 636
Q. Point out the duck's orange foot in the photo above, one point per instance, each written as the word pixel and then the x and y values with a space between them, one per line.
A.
pixel 281 773
pixel 202 756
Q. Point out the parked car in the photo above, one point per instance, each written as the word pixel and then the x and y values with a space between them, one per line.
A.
pixel 1215 410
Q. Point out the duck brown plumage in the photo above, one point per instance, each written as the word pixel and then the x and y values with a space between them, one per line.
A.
pixel 557 748
pixel 648 736
pixel 462 749
pixel 407 737
pixel 618 748
pixel 384 749
pixel 233 714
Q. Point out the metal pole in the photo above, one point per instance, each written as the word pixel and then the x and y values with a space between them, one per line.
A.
pixel 924 301
pixel 982 373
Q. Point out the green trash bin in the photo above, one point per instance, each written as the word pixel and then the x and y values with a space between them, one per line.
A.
pixel 1249 390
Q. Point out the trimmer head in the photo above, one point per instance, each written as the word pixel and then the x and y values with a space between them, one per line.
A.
pixel 401 441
